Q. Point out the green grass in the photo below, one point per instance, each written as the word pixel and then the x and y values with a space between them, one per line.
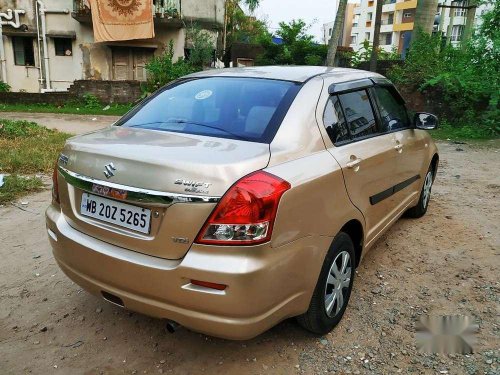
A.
pixel 28 148
pixel 16 186
pixel 462 133
pixel 70 108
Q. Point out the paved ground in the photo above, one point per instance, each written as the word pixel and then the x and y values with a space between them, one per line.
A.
pixel 444 263
pixel 74 124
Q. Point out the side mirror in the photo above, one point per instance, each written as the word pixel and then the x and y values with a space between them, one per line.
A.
pixel 425 121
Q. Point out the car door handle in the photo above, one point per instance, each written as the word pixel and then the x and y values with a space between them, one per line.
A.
pixel 353 164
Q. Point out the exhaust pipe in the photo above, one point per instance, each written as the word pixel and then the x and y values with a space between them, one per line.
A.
pixel 172 326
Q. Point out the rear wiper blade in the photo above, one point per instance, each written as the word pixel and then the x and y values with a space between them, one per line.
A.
pixel 239 137
pixel 210 127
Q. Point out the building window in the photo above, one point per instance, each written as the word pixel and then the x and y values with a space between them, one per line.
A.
pixel 456 33
pixel 367 36
pixel 354 39
pixel 63 46
pixel 23 51
pixel 369 16
pixel 330 31
pixel 460 12
pixel 407 15
pixel 386 39
pixel 355 20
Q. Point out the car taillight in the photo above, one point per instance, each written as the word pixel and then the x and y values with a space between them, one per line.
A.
pixel 245 214
pixel 55 186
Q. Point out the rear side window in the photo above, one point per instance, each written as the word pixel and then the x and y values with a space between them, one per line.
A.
pixel 359 114
pixel 334 121
pixel 238 108
pixel 392 110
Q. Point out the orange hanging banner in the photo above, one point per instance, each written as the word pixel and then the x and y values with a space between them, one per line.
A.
pixel 115 20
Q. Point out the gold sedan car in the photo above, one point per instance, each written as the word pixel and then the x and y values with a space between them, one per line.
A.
pixel 233 199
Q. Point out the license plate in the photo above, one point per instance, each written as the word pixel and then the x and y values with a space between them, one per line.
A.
pixel 121 214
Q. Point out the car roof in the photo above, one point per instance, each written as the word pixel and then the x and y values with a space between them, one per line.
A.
pixel 288 73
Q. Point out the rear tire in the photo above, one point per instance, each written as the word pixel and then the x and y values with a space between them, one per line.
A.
pixel 333 289
pixel 425 196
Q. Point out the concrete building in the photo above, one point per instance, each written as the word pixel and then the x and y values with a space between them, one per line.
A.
pixel 345 36
pixel 52 43
pixel 398 18
pixel 397 24
pixel 451 21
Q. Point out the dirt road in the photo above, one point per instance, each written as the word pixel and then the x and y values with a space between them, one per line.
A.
pixel 73 124
pixel 445 263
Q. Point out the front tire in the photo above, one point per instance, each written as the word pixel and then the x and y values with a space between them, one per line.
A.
pixel 425 195
pixel 333 289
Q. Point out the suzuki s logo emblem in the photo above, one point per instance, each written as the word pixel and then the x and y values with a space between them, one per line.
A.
pixel 109 170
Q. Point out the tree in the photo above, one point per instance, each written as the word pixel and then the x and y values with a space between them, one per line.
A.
pixel 298 47
pixel 202 47
pixel 425 14
pixel 376 36
pixel 465 80
pixel 469 23
pixel 238 26
pixel 337 31
pixel 252 4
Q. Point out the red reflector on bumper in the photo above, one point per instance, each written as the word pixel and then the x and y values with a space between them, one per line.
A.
pixel 209 285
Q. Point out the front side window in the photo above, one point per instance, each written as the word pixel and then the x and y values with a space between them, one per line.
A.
pixel 334 121
pixel 23 51
pixel 248 109
pixel 359 113
pixel 392 110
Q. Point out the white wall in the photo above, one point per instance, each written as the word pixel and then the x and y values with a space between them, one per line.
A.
pixel 20 78
pixel 91 60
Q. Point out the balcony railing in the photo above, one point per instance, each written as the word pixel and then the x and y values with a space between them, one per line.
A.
pixel 162 9
pixel 167 8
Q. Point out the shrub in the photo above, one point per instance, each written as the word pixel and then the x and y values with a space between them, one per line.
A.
pixel 356 58
pixel 4 87
pixel 201 52
pixel 466 79
pixel 91 101
pixel 162 70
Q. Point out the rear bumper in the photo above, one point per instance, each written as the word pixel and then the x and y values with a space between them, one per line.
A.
pixel 264 285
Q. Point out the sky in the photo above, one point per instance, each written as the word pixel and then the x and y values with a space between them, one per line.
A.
pixel 315 12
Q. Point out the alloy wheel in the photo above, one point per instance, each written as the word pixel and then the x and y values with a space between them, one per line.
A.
pixel 337 283
pixel 427 188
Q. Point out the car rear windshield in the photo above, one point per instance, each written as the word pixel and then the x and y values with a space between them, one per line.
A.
pixel 249 109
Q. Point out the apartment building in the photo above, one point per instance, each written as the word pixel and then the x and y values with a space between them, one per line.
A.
pixel 397 24
pixel 48 44
pixel 451 22
pixel 345 36
pixel 398 18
